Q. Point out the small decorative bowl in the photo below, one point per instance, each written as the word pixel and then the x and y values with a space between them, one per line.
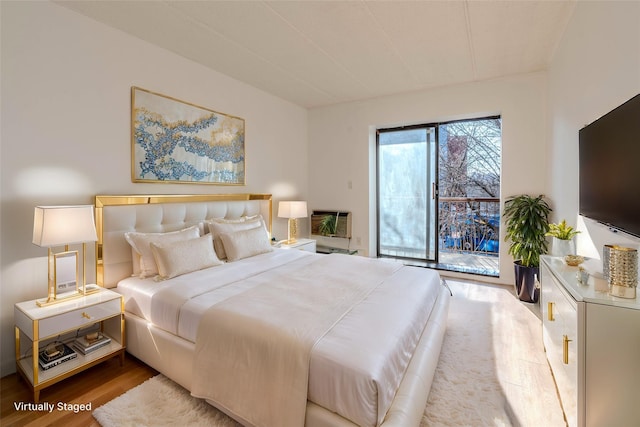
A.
pixel 573 260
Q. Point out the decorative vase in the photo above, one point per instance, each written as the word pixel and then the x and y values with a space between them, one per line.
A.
pixel 562 248
pixel 621 270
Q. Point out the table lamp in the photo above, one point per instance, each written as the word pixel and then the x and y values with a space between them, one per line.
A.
pixel 56 226
pixel 292 210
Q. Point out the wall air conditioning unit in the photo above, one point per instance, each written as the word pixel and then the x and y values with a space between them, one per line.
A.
pixel 331 223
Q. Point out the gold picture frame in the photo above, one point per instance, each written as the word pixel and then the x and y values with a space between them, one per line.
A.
pixel 174 141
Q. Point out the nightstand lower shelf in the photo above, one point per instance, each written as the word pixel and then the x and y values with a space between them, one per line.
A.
pixel 66 369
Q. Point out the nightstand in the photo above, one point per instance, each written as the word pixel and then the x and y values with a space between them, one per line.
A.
pixel 36 327
pixel 308 245
pixel 332 250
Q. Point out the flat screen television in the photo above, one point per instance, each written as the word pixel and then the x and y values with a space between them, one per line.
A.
pixel 610 168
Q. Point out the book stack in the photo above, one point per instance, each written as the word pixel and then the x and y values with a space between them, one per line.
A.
pixel 91 342
pixel 55 355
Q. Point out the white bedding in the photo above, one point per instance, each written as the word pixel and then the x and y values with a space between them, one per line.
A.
pixel 176 305
pixel 364 370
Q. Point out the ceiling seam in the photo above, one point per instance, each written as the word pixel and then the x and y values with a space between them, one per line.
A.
pixel 472 50
pixel 393 47
pixel 208 28
pixel 565 25
pixel 325 53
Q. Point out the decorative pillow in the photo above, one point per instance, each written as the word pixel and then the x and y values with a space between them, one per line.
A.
pixel 184 256
pixel 207 223
pixel 246 243
pixel 140 242
pixel 135 260
pixel 226 220
pixel 242 219
pixel 216 229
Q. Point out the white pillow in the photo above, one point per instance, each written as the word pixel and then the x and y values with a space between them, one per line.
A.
pixel 235 220
pixel 185 256
pixel 140 242
pixel 246 243
pixel 135 260
pixel 216 229
pixel 226 220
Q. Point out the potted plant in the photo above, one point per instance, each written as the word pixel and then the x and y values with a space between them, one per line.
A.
pixel 527 223
pixel 328 225
pixel 563 235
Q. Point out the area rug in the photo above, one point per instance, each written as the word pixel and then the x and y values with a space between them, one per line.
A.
pixel 465 391
pixel 159 402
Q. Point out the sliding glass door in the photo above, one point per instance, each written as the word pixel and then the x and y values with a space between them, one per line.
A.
pixel 439 194
pixel 407 199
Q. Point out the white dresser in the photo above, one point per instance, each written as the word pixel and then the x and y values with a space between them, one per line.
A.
pixel 592 342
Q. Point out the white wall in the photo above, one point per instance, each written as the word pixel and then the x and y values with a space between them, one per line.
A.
pixel 596 67
pixel 65 133
pixel 342 145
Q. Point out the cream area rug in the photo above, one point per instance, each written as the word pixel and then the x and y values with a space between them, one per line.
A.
pixel 466 391
pixel 160 402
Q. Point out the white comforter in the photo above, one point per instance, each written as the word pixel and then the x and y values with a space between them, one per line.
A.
pixel 352 370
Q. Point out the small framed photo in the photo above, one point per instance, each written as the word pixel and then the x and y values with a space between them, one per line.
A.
pixel 65 274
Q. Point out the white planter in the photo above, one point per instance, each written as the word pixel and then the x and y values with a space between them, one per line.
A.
pixel 562 248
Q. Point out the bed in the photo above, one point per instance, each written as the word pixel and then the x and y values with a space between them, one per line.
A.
pixel 270 336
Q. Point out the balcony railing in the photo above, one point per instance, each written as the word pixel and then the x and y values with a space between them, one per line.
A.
pixel 468 237
pixel 469 225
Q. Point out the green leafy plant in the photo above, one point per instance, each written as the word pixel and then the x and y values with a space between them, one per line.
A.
pixel 526 220
pixel 328 225
pixel 562 231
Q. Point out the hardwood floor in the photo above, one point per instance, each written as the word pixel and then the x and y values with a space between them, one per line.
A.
pixel 97 385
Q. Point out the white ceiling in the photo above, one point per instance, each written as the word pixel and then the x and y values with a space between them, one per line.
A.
pixel 317 53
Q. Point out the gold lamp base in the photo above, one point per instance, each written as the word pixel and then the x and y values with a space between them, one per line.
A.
pixel 91 289
pixel 293 231
pixel 58 299
pixel 68 296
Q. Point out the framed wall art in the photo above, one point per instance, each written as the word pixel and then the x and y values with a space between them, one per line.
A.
pixel 178 142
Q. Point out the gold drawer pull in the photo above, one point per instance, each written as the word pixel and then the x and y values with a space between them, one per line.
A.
pixel 550 311
pixel 85 315
pixel 565 349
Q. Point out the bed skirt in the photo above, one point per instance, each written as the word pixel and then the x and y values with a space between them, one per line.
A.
pixel 173 357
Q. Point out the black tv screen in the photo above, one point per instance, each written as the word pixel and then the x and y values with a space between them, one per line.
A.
pixel 610 168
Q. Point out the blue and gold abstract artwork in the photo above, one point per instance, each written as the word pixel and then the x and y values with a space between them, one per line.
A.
pixel 174 141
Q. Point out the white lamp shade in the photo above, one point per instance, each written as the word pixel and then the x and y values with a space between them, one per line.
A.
pixel 294 209
pixel 63 225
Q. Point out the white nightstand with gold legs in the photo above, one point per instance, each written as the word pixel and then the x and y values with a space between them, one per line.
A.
pixel 308 245
pixel 36 327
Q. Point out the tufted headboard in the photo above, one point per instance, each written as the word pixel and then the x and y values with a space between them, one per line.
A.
pixel 115 215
